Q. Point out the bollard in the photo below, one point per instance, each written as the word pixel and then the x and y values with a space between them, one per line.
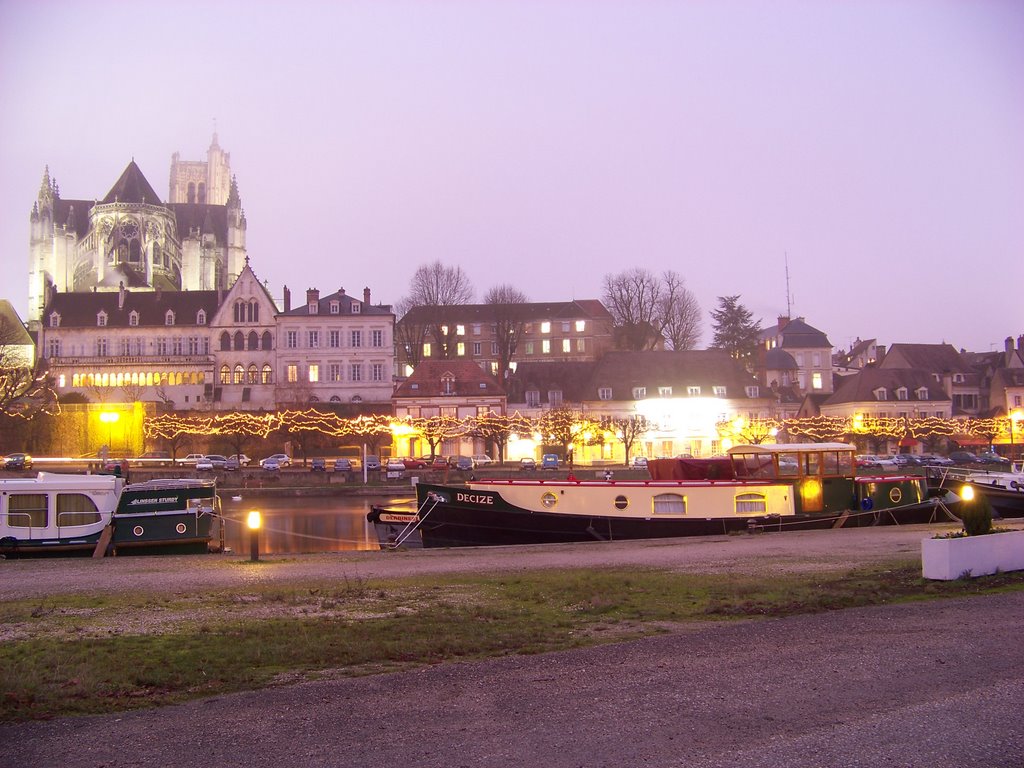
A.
pixel 254 521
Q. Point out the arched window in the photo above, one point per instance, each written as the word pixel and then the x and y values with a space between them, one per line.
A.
pixel 335 399
pixel 191 192
pixel 201 317
pixel 225 374
pixel 225 341
pixel 239 374
pixel 239 341
pixel 268 374
pixel 202 193
pixel 254 374
pixel 268 341
pixel 254 340
pixel 254 311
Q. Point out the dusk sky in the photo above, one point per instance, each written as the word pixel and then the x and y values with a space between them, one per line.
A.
pixel 545 144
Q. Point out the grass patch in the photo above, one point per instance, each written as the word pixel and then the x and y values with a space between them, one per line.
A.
pixel 93 654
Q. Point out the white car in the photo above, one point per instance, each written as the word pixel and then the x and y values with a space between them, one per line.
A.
pixel 282 460
pixel 241 458
pixel 395 465
pixel 193 458
pixel 481 460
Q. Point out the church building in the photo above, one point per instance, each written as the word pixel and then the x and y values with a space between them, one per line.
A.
pixel 130 239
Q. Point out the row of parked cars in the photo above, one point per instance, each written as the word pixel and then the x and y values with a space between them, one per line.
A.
pixel 903 460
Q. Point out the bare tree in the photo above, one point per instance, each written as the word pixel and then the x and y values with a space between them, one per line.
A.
pixel 22 392
pixel 410 332
pixel 439 287
pixel 628 429
pixel 646 307
pixel 506 302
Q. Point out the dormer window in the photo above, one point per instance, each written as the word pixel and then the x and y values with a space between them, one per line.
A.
pixel 554 397
pixel 55 320
pixel 356 307
pixel 881 394
pixel 201 317
pixel 667 391
pixel 753 391
pixel 314 308
pixel 101 319
pixel 639 393
pixel 901 393
pixel 958 378
pixel 335 307
pixel 133 318
pixel 718 391
pixel 169 317
pixel 922 393
pixel 604 393
pixel 448 384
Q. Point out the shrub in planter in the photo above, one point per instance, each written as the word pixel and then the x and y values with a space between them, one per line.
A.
pixel 976 516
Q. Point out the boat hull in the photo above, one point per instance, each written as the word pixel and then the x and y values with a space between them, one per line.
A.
pixel 485 515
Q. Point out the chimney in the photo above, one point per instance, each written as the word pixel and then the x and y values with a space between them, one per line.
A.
pixel 366 298
pixel 312 295
pixel 120 295
pixel 1008 344
pixel 1020 343
pixel 341 291
pixel 287 299
pixel 783 321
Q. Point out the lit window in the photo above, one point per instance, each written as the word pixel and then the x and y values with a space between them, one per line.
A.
pixel 460 330
pixel 816 380
pixel 545 346
pixel 460 349
pixel 293 374
pixel 545 327
pixel 718 391
pixel 426 349
pixel 581 326
pixel 314 373
pixel 566 345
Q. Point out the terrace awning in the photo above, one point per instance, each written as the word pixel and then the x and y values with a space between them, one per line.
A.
pixel 962 439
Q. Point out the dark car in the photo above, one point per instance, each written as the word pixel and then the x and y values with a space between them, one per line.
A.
pixel 963 457
pixel 527 464
pixel 463 463
pixel 318 465
pixel 906 460
pixel 373 463
pixel 342 465
pixel 989 457
pixel 18 461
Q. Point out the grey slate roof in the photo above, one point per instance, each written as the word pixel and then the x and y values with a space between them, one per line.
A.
pixel 132 187
pixel 933 358
pixel 346 301
pixel 706 368
pixel 572 379
pixel 79 310
pixel 860 387
pixel 776 359
pixel 797 334
pixel 470 380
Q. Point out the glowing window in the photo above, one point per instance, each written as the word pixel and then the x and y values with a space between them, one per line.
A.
pixel 751 504
pixel 545 327
pixel 669 504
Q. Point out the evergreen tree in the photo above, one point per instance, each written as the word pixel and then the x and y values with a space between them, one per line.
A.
pixel 735 329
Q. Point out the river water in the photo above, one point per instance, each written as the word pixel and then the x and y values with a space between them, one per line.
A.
pixel 300 525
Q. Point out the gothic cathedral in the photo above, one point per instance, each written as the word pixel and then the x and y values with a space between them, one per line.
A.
pixel 195 241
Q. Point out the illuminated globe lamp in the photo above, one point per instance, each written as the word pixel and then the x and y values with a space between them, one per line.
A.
pixel 254 521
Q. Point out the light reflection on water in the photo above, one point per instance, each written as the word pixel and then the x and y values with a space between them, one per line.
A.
pixel 298 525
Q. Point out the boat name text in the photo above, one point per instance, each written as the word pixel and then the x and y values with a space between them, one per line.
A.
pixel 159 500
pixel 474 498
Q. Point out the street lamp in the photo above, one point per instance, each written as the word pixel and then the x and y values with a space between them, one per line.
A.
pixel 1015 416
pixel 254 520
pixel 110 418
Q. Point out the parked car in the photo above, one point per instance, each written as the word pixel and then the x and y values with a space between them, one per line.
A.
pixel 865 461
pixel 241 458
pixel 117 467
pixel 204 465
pixel 549 461
pixel 159 458
pixel 481 460
pixel 282 459
pixel 18 462
pixel 270 464
pixel 395 465
pixel 192 458
pixel 640 462
pixel 439 462
pixel 527 465
pixel 931 460
pixel 373 463
pixel 342 465
pixel 463 463
pixel 990 457
pixel 904 460
pixel 411 462
pixel 217 460
pixel 232 464
pixel 963 457
pixel 318 465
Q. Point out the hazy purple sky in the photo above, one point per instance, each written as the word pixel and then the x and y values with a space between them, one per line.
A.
pixel 545 144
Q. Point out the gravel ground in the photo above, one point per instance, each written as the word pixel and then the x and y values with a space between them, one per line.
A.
pixel 936 684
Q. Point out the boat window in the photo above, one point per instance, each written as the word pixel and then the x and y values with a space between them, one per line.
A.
pixel 830 463
pixel 621 502
pixel 789 464
pixel 812 463
pixel 76 509
pixel 751 504
pixel 669 504
pixel 548 500
pixel 846 464
pixel 27 510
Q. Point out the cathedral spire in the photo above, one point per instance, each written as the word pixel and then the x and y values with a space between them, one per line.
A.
pixel 234 199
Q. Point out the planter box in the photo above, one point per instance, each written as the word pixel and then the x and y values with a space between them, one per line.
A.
pixel 948 559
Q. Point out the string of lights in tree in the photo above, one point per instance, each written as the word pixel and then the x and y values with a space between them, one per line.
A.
pixel 562 425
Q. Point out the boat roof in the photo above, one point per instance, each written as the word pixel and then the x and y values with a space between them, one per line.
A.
pixel 791 448
pixel 63 480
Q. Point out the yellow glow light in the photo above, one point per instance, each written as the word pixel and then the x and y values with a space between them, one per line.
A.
pixel 254 520
pixel 967 493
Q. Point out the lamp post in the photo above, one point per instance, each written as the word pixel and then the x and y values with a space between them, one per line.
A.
pixel 1015 416
pixel 254 521
pixel 110 418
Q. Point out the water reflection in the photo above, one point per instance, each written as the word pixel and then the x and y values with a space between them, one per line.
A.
pixel 297 525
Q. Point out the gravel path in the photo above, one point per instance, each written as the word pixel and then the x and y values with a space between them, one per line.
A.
pixel 937 684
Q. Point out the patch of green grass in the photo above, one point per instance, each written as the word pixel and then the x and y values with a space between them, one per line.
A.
pixel 71 655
